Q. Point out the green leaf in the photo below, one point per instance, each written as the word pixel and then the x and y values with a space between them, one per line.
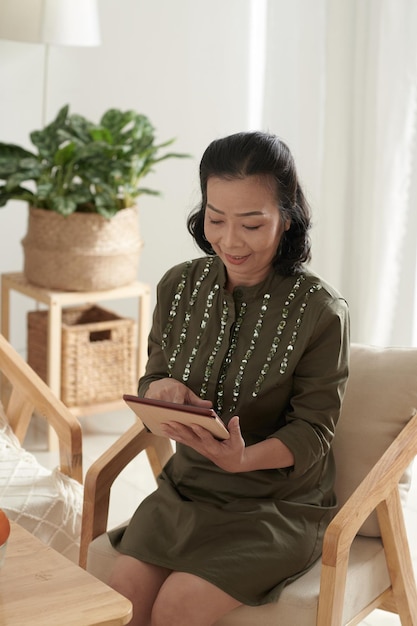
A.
pixel 81 195
pixel 19 193
pixel 61 118
pixel 45 189
pixel 11 151
pixel 107 211
pixel 64 155
pixel 115 120
pixel 80 127
pixel 101 134
pixel 12 159
pixel 171 155
pixel 63 205
pixel 150 192
pixel 20 177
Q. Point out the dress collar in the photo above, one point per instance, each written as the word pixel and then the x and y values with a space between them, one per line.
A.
pixel 245 292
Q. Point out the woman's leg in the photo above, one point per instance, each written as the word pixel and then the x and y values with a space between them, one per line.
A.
pixel 140 583
pixel 187 599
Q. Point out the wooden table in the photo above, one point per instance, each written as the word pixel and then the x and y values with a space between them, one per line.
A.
pixel 40 587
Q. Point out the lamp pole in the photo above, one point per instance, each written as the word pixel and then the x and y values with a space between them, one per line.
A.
pixel 45 85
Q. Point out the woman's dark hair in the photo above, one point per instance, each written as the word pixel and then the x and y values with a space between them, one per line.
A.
pixel 257 153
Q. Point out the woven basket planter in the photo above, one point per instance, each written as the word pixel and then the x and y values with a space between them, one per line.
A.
pixel 82 251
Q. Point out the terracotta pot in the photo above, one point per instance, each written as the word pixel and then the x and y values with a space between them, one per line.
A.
pixel 83 251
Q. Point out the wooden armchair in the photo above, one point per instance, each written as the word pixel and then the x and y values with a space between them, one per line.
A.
pixel 366 562
pixel 23 393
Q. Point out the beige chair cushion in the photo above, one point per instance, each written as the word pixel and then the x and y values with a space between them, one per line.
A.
pixel 298 601
pixel 47 503
pixel 381 397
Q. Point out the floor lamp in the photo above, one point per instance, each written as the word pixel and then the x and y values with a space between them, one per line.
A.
pixel 50 22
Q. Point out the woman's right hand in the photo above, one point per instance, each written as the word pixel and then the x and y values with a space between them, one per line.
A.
pixel 171 390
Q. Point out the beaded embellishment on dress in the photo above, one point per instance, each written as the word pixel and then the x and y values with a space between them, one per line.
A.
pixel 255 343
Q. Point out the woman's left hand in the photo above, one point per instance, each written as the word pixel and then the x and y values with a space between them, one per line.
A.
pixel 228 454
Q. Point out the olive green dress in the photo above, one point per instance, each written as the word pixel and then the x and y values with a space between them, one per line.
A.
pixel 276 354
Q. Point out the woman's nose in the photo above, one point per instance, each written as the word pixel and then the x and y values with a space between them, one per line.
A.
pixel 230 236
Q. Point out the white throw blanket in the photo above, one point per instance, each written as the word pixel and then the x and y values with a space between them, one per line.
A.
pixel 47 503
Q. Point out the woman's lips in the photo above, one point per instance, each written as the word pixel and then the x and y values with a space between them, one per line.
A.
pixel 235 259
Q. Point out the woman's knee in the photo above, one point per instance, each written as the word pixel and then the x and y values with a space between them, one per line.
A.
pixel 167 610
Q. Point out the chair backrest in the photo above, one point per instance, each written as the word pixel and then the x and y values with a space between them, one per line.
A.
pixel 381 397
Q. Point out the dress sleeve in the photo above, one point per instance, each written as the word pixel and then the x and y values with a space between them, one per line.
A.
pixel 318 388
pixel 156 366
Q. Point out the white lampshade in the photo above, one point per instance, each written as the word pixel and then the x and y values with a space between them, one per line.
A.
pixel 58 22
pixel 71 23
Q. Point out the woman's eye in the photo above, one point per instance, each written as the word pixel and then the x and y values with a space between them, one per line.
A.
pixel 251 227
pixel 215 222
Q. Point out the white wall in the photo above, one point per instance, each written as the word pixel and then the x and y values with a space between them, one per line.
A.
pixel 185 64
pixel 182 63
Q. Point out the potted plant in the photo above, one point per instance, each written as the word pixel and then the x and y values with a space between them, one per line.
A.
pixel 82 185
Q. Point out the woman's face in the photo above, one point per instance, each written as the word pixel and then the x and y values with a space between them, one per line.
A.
pixel 243 224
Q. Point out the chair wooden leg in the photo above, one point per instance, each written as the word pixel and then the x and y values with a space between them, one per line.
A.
pixel 398 557
pixel 332 593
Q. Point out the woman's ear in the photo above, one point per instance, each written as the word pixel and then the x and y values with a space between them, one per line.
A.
pixel 287 224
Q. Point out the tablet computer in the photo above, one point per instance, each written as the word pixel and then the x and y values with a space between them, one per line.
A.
pixel 153 413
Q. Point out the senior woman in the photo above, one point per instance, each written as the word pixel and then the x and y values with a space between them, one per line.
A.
pixel 248 330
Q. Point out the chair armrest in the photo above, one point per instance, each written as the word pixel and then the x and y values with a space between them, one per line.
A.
pixel 378 491
pixel 29 394
pixel 376 487
pixel 103 472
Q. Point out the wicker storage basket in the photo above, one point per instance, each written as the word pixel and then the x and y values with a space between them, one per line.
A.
pixel 98 354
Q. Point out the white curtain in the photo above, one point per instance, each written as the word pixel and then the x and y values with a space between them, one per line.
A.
pixel 341 88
